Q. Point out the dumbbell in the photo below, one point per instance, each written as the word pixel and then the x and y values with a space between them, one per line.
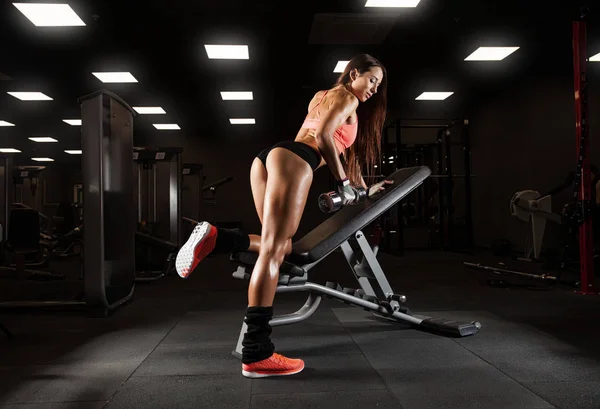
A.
pixel 331 202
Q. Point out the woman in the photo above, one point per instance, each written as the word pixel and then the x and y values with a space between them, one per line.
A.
pixel 281 177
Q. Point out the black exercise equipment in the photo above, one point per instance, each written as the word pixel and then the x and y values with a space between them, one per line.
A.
pixel 109 208
pixel 343 230
pixel 210 191
pixel 158 169
pixel 440 216
pixel 192 182
pixel 25 247
pixel 500 270
pixel 28 175
pixel 20 228
pixel 209 199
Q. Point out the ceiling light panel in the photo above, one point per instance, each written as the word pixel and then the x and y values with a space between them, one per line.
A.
pixel 491 53
pixel 50 15
pixel 167 127
pixel 30 96
pixel 115 77
pixel 227 52
pixel 43 139
pixel 434 96
pixel 392 3
pixel 237 95
pixel 149 110
pixel 340 66
pixel 242 121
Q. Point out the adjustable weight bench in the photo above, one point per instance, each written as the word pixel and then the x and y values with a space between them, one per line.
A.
pixel 343 229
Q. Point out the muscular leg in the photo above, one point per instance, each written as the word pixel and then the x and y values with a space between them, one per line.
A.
pixel 288 183
pixel 258 183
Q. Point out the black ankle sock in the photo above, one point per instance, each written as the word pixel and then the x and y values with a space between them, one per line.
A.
pixel 257 343
pixel 231 241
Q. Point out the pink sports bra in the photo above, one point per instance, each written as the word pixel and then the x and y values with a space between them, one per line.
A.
pixel 344 136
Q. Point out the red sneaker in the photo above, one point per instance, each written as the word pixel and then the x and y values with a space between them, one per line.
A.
pixel 199 245
pixel 276 365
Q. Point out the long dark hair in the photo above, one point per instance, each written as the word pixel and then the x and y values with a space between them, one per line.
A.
pixel 365 153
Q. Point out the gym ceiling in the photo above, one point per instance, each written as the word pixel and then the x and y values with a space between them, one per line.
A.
pixel 293 48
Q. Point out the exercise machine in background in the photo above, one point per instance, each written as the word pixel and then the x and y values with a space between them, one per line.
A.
pixel 108 258
pixel 437 215
pixel 192 183
pixel 207 201
pixel 158 235
pixel 578 214
pixel 531 207
pixel 27 180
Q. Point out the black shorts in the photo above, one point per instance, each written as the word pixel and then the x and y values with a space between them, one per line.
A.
pixel 307 153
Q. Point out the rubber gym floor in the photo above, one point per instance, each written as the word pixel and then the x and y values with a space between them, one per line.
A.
pixel 171 347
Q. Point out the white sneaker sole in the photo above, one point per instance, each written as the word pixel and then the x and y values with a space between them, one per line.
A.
pixel 185 261
pixel 258 375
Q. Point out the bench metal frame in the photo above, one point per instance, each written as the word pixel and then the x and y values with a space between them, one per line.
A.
pixel 375 294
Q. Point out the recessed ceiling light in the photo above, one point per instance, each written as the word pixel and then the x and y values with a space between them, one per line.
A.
pixel 115 77
pixel 73 122
pixel 227 52
pixel 9 150
pixel 434 96
pixel 340 66
pixel 491 53
pixel 50 15
pixel 237 95
pixel 242 121
pixel 595 58
pixel 149 110
pixel 43 139
pixel 73 152
pixel 4 123
pixel 166 127
pixel 392 3
pixel 43 159
pixel 30 96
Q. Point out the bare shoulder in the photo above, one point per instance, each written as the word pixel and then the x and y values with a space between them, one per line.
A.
pixel 344 98
pixel 315 99
pixel 340 98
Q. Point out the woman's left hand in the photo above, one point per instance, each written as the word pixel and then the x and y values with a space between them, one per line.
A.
pixel 378 187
